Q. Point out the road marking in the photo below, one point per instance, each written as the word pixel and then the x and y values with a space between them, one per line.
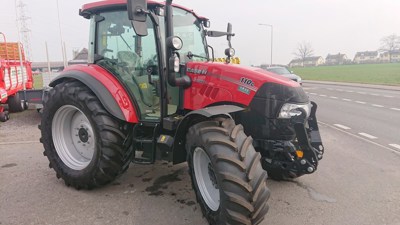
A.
pixel 395 146
pixel 322 95
pixel 19 142
pixel 347 100
pixel 333 97
pixel 375 94
pixel 331 89
pixel 379 106
pixel 360 92
pixel 364 139
pixel 367 135
pixel 313 93
pixel 338 89
pixel 342 126
pixel 388 96
pixel 360 102
pixel 395 109
pixel 350 91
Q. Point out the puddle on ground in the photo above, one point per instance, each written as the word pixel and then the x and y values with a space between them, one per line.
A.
pixel 161 183
pixel 314 194
pixel 9 165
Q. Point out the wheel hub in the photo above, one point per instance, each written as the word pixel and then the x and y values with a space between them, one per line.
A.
pixel 73 137
pixel 83 135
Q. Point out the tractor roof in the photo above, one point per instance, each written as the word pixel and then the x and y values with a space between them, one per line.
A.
pixel 106 5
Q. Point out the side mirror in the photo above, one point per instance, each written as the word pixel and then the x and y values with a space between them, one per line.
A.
pixel 206 23
pixel 137 13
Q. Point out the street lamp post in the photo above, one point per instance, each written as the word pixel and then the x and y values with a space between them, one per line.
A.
pixel 272 35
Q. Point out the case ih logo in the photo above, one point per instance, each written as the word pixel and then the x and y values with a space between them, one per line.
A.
pixel 196 71
pixel 247 81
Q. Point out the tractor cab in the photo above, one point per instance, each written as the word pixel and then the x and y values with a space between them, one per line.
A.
pixel 136 52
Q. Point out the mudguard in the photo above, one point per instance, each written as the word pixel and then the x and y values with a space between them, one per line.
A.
pixel 179 154
pixel 107 88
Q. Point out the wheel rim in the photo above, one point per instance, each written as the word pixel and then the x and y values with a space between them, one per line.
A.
pixel 205 178
pixel 73 137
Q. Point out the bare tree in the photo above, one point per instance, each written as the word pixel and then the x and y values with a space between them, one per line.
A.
pixel 303 51
pixel 389 44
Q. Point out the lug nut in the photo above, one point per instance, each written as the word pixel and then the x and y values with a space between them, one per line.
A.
pixel 319 156
pixel 303 162
pixel 310 169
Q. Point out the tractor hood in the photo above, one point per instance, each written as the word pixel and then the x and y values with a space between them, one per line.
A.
pixel 215 82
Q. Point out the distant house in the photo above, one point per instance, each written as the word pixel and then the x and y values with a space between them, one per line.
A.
pixel 308 61
pixel 338 59
pixel 366 57
pixel 80 57
pixel 43 66
pixel 393 57
pixel 314 61
pixel 296 63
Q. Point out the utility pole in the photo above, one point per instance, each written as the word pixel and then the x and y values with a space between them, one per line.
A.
pixel 62 41
pixel 272 36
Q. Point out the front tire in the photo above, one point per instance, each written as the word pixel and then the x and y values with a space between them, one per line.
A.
pixel 226 173
pixel 82 141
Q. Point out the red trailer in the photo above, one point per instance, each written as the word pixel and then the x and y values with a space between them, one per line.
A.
pixel 15 76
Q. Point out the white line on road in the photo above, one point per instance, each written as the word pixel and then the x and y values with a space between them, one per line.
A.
pixel 379 106
pixel 395 146
pixel 360 102
pixel 338 89
pixel 346 99
pixel 322 95
pixel 342 126
pixel 388 96
pixel 312 93
pixel 363 93
pixel 333 97
pixel 367 135
pixel 331 89
pixel 356 136
pixel 375 94
pixel 350 91
pixel 395 109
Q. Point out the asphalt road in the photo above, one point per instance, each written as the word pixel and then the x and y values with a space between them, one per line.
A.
pixel 372 114
pixel 357 183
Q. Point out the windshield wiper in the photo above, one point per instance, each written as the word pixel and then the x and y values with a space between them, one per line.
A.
pixel 190 55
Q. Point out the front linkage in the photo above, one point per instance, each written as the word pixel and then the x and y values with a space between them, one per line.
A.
pixel 293 159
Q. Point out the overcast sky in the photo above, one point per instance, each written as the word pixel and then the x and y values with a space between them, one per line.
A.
pixel 331 26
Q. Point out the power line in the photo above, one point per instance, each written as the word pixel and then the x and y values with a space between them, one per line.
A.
pixel 23 19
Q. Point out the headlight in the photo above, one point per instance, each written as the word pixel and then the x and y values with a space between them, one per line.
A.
pixel 289 110
pixel 299 80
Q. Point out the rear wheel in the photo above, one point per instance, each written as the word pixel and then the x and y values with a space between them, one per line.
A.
pixel 15 104
pixel 226 173
pixel 82 141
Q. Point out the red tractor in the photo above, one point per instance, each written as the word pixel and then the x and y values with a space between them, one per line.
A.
pixel 152 91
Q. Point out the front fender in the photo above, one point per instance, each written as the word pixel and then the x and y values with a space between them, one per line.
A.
pixel 106 87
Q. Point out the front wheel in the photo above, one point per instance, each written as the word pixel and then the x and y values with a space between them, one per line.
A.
pixel 83 142
pixel 226 173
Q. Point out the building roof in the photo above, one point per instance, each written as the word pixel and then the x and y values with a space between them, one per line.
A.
pixel 367 53
pixel 336 57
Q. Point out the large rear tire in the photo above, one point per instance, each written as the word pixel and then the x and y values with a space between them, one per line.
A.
pixel 15 104
pixel 226 173
pixel 83 142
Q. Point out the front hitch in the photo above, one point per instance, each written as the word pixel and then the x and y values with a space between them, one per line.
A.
pixel 297 157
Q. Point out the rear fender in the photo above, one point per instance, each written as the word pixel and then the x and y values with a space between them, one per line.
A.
pixel 179 154
pixel 107 88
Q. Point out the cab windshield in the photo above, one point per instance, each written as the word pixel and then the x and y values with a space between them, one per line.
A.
pixel 190 30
